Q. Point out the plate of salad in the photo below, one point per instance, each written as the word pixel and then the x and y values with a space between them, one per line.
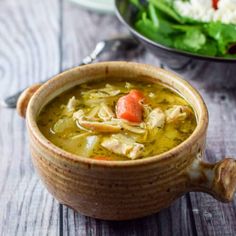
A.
pixel 200 28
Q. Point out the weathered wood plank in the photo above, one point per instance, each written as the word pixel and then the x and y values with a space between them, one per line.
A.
pixel 77 43
pixel 29 52
pixel 212 217
pixel 172 221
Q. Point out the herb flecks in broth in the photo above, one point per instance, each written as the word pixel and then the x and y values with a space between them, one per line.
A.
pixel 118 120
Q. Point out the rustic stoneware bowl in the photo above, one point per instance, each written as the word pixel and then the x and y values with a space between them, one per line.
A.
pixel 122 190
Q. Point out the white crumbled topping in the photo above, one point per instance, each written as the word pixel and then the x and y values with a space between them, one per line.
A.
pixel 203 10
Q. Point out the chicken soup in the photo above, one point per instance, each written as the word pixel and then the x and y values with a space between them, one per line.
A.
pixel 119 120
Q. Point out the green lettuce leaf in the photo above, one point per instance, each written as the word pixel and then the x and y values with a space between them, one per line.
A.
pixel 192 40
pixel 167 8
pixel 158 21
pixel 224 35
pixel 146 27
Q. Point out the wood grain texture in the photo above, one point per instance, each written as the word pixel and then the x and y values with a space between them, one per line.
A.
pixel 32 48
pixel 172 221
pixel 212 217
pixel 29 52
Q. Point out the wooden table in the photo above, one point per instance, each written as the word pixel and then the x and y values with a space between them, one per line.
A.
pixel 38 39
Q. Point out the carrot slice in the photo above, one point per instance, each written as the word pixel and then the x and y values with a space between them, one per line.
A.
pixel 137 94
pixel 129 108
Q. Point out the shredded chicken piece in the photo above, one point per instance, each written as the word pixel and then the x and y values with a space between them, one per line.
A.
pixel 176 112
pixel 138 128
pixel 123 145
pixel 72 103
pixel 111 125
pixel 93 113
pixel 105 112
pixel 104 127
pixel 156 118
pixel 78 114
pixel 108 91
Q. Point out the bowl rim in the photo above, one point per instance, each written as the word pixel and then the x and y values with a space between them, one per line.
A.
pixel 199 131
pixel 169 49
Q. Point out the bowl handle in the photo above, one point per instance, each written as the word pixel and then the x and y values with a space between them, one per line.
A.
pixel 24 99
pixel 219 179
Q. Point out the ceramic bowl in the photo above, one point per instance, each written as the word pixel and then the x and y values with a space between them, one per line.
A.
pixel 122 190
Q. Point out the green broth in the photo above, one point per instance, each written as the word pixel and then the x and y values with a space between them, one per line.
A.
pixel 74 140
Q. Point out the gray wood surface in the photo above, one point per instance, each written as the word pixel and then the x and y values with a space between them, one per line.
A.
pixel 29 52
pixel 37 40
